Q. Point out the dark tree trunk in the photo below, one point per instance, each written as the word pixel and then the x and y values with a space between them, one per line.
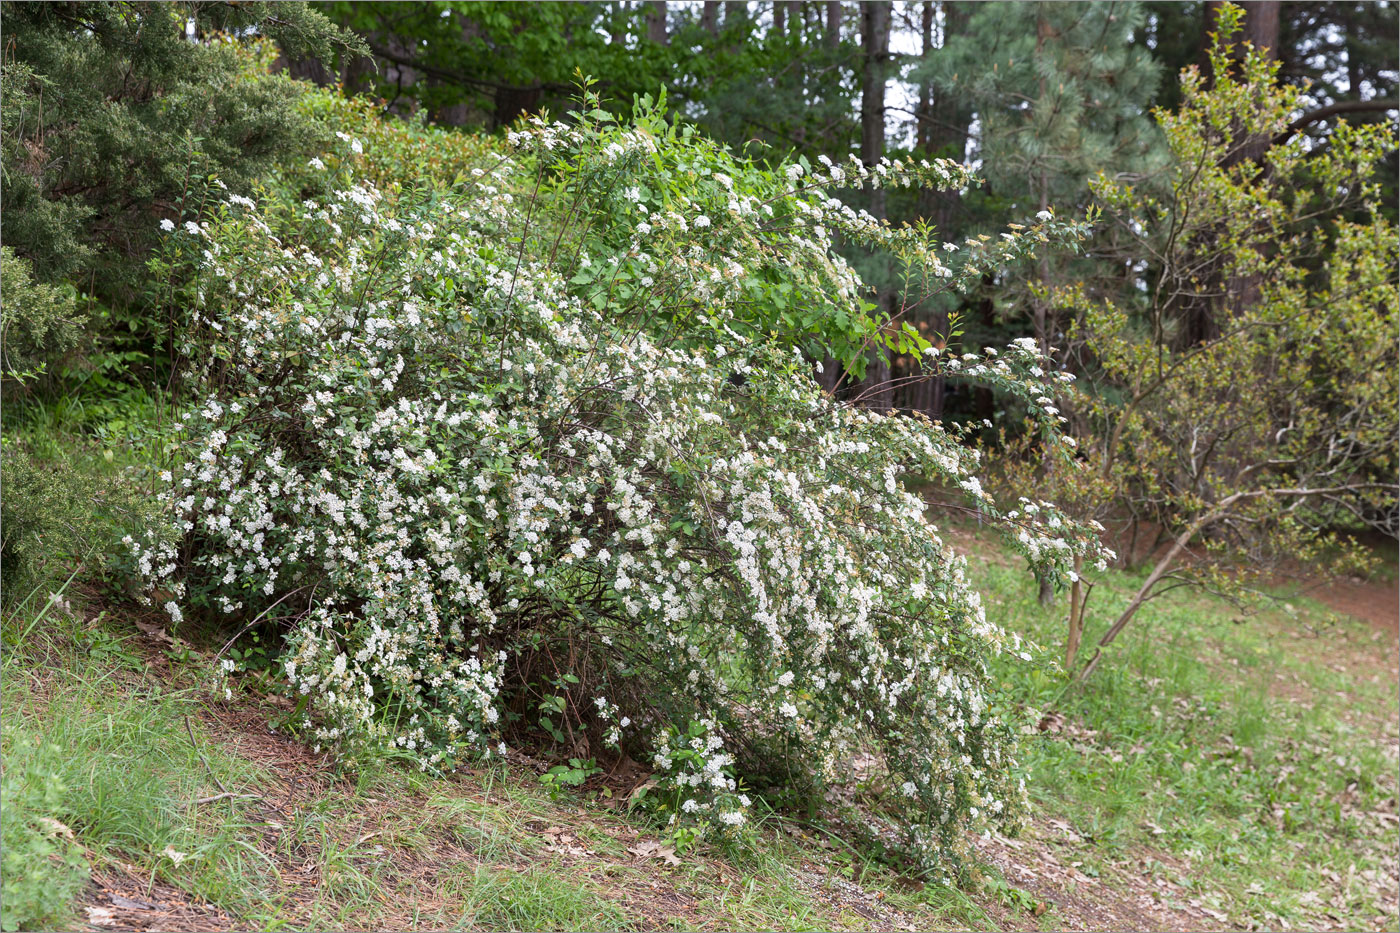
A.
pixel 709 17
pixel 877 392
pixel 943 126
pixel 656 22
pixel 617 29
pixel 830 376
pixel 779 17
pixel 1261 25
pixel 1261 30
pixel 923 114
pixel 984 406
pixel 457 114
pixel 511 102
pixel 875 40
pixel 833 24
pixel 794 15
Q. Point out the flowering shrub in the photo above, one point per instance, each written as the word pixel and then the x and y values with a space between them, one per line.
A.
pixel 520 467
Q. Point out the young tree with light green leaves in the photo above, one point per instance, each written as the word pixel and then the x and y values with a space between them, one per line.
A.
pixel 1238 360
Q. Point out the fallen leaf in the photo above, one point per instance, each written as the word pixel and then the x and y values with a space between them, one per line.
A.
pixel 174 856
pixel 649 848
pixel 55 827
pixel 157 632
pixel 101 917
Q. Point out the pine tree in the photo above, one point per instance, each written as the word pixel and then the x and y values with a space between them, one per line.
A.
pixel 111 112
pixel 1059 94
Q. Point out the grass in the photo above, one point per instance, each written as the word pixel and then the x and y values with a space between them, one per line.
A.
pixel 1246 767
pixel 1257 750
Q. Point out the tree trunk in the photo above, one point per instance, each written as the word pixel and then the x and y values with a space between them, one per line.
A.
pixel 833 24
pixel 511 102
pixel 943 126
pixel 1260 29
pixel 1076 615
pixel 402 77
pixel 457 114
pixel 794 16
pixel 830 376
pixel 877 392
pixel 919 395
pixel 656 22
pixel 1040 307
pixel 875 41
pixel 617 26
pixel 779 18
pixel 709 17
pixel 1261 25
pixel 923 113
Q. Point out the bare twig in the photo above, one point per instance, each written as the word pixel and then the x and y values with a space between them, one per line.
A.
pixel 227 796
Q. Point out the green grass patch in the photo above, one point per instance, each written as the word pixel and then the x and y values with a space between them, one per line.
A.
pixel 1253 747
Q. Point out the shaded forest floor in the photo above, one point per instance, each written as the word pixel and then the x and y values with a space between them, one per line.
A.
pixel 1218 773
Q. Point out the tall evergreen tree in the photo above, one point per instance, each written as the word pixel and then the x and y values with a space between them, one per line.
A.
pixel 1059 94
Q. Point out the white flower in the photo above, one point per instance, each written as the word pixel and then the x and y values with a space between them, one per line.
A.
pixel 167 225
pixel 1044 216
pixel 317 164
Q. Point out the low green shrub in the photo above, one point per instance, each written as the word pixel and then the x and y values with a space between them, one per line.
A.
pixel 46 516
pixel 39 324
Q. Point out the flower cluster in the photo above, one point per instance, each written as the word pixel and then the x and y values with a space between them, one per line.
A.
pixel 697 775
pixel 462 472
